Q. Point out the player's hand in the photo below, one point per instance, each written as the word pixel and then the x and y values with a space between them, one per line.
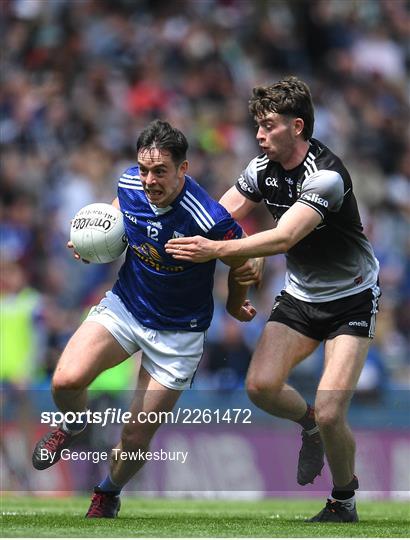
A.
pixel 245 313
pixel 77 256
pixel 249 273
pixel 195 249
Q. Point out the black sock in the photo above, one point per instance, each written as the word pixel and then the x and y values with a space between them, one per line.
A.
pixel 345 492
pixel 308 419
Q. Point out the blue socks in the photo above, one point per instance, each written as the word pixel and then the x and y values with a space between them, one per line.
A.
pixel 108 485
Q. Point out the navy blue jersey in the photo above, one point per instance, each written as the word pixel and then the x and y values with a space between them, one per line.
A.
pixel 160 291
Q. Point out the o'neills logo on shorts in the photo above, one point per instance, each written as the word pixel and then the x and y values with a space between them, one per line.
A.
pixel 181 381
pixel 358 323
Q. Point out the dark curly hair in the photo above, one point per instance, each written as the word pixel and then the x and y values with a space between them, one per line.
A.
pixel 290 97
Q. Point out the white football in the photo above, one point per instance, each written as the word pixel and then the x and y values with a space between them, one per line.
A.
pixel 97 232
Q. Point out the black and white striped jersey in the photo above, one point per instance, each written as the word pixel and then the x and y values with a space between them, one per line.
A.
pixel 334 260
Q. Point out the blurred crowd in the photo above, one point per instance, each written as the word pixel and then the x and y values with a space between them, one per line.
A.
pixel 80 79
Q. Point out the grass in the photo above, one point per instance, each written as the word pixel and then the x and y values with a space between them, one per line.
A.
pixel 63 517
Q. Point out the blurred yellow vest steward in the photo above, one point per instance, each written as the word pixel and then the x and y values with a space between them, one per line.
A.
pixel 17 335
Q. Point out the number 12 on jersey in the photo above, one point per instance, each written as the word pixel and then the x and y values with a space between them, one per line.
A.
pixel 152 232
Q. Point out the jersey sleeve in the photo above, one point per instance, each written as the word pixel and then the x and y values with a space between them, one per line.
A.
pixel 323 191
pixel 130 179
pixel 225 229
pixel 247 183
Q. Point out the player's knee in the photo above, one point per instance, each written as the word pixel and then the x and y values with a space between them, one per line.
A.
pixel 328 416
pixel 259 388
pixel 66 381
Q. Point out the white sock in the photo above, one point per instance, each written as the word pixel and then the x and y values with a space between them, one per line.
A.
pixel 75 427
pixel 349 504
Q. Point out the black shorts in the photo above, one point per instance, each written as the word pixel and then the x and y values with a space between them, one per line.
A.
pixel 353 315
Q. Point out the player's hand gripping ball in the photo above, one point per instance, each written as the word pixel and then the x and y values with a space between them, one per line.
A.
pixel 97 233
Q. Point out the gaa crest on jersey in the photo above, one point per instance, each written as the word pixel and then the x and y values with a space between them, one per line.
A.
pixel 177 234
pixel 131 217
pixel 271 182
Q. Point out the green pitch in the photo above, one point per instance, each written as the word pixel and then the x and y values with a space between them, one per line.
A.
pixel 52 517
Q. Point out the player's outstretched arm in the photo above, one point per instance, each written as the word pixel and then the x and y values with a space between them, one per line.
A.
pixel 294 225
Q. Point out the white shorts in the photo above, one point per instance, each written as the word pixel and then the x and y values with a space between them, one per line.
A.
pixel 170 357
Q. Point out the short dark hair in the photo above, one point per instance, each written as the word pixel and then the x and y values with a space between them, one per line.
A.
pixel 163 136
pixel 290 97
